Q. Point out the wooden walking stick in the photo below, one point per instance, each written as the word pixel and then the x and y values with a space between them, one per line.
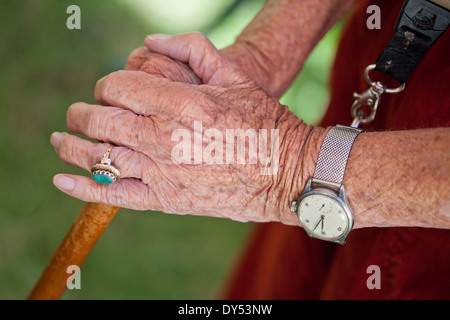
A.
pixel 73 250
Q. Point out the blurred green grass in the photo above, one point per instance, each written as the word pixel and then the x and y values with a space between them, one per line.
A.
pixel 44 68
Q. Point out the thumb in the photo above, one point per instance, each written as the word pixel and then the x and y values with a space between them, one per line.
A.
pixel 199 53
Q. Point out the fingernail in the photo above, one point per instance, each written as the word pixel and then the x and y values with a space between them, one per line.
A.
pixel 159 36
pixel 64 183
pixel 55 139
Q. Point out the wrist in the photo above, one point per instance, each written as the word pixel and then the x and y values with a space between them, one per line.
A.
pixel 299 153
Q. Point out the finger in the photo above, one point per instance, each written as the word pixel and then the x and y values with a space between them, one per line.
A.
pixel 141 93
pixel 84 154
pixel 200 54
pixel 137 58
pixel 159 65
pixel 113 125
pixel 162 66
pixel 125 193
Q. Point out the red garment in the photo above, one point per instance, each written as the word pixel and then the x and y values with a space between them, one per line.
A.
pixel 281 262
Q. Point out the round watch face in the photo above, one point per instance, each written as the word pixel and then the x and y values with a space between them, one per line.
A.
pixel 323 217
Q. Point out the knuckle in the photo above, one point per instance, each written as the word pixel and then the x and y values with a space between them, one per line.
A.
pixel 65 150
pixel 136 58
pixel 72 116
pixel 198 36
pixel 103 85
pixel 203 43
pixel 93 123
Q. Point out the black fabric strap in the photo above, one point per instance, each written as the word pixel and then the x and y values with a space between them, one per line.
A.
pixel 402 54
pixel 419 25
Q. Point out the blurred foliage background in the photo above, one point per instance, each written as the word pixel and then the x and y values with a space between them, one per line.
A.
pixel 45 67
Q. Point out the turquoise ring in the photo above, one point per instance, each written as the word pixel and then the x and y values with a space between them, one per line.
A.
pixel 104 172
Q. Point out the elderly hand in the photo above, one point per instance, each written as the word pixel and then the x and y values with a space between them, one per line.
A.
pixel 145 115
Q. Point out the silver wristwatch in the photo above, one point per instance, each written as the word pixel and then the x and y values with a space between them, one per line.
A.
pixel 323 209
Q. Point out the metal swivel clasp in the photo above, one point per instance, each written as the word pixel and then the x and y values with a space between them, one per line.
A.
pixel 369 98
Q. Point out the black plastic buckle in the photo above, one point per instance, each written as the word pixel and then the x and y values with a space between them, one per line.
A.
pixel 425 18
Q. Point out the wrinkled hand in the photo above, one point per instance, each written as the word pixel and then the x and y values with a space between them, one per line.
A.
pixel 139 114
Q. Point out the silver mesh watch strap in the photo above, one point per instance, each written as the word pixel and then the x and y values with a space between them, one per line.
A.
pixel 334 154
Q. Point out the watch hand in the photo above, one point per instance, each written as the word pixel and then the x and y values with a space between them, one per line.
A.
pixel 322 207
pixel 318 222
pixel 323 219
